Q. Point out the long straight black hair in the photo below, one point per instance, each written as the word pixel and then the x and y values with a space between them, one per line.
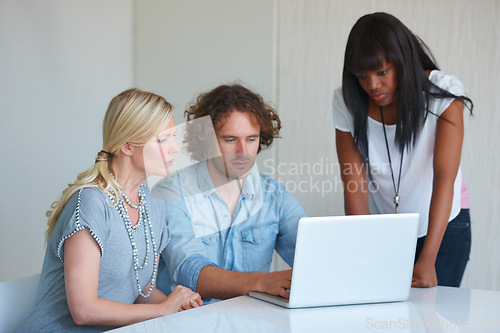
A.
pixel 380 37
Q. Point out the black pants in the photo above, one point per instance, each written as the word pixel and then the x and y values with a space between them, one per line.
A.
pixel 454 251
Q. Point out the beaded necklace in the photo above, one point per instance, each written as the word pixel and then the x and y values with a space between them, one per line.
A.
pixel 148 234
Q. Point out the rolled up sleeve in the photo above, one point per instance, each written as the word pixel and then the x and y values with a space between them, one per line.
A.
pixel 189 271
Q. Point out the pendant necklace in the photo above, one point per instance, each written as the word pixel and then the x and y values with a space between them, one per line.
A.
pixel 396 189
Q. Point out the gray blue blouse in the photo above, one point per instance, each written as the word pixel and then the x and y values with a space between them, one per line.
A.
pixel 90 209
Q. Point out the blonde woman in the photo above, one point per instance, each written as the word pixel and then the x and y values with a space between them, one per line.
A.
pixel 106 232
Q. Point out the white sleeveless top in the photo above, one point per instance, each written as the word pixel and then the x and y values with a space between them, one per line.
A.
pixel 417 171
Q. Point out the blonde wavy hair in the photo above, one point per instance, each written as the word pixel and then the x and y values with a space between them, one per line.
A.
pixel 133 116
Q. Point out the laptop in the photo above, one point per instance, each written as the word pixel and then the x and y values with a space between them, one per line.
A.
pixel 355 259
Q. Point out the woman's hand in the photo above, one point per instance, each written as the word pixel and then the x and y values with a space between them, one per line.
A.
pixel 424 275
pixel 182 298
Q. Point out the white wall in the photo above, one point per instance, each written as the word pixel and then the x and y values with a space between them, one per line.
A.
pixel 465 39
pixel 61 63
pixel 186 47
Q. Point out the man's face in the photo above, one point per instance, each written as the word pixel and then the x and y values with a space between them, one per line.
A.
pixel 239 139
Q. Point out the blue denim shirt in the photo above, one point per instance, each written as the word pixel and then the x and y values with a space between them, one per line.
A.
pixel 203 232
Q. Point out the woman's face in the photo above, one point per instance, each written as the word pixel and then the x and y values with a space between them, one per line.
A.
pixel 158 154
pixel 380 84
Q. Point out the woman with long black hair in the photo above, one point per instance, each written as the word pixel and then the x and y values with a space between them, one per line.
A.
pixel 399 132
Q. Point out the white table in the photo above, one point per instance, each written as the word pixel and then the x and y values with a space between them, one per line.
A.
pixel 439 309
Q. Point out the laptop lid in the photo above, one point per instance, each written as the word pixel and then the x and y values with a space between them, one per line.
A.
pixel 351 260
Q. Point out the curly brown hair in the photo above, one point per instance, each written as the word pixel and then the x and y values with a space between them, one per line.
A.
pixel 218 105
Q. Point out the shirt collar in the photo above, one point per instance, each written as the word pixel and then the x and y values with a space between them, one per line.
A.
pixel 251 183
pixel 205 182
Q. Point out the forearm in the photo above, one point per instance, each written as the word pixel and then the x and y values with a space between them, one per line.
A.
pixel 214 282
pixel 156 297
pixel 353 174
pixel 104 312
pixel 439 213
pixel 355 191
pixel 355 203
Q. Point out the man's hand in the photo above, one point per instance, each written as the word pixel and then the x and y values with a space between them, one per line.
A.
pixel 276 283
pixel 215 282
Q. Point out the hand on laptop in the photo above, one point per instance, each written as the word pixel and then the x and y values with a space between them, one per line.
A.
pixel 276 283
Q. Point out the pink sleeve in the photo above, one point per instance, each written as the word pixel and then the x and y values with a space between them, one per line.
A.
pixel 465 202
